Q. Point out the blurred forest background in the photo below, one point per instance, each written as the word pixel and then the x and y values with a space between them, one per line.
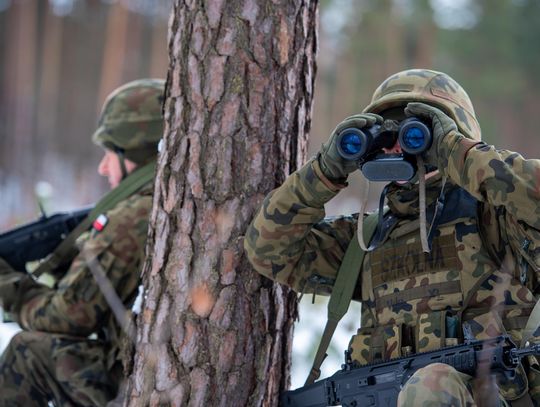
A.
pixel 60 58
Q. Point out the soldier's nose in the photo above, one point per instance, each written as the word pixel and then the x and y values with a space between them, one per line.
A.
pixel 396 149
pixel 102 167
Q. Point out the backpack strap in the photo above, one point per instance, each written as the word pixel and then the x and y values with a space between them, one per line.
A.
pixel 131 184
pixel 342 292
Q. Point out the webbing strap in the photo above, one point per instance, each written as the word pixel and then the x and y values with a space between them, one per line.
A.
pixel 342 292
pixel 129 185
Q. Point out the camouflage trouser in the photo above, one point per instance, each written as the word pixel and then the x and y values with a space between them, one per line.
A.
pixel 439 385
pixel 39 367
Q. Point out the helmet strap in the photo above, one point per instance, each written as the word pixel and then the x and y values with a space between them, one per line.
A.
pixel 122 160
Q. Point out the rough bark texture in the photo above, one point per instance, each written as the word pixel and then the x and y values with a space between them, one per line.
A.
pixel 239 101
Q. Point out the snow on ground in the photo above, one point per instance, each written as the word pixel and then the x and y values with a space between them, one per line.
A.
pixel 307 335
pixel 7 330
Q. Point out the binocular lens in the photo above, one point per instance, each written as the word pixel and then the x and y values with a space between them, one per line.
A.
pixel 414 138
pixel 352 144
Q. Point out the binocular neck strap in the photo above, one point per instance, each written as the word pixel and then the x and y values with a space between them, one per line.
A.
pixel 364 192
pixel 422 203
pixel 380 219
pixel 426 233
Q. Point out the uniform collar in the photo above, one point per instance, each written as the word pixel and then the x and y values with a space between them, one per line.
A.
pixel 403 199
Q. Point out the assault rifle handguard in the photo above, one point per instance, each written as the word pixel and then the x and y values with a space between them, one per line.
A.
pixel 36 240
pixel 378 384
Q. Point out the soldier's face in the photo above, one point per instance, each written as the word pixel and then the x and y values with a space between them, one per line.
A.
pixel 109 167
pixel 398 114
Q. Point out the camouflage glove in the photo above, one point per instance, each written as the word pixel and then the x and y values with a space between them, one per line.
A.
pixel 10 280
pixel 332 165
pixel 441 126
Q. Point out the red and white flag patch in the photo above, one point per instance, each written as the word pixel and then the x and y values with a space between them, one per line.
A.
pixel 100 222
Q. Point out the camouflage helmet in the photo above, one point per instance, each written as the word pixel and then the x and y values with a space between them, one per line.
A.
pixel 431 87
pixel 131 120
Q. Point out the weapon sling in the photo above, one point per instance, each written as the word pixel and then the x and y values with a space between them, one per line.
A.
pixel 342 292
pixel 129 185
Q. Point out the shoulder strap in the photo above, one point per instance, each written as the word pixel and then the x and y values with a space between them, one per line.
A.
pixel 131 184
pixel 342 292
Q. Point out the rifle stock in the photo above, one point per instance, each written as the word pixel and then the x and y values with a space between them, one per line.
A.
pixel 35 240
pixel 379 384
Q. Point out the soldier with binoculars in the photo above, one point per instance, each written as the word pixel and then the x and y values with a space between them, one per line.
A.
pixel 454 255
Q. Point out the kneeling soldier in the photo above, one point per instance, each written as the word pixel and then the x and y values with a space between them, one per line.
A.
pixel 68 352
pixel 469 270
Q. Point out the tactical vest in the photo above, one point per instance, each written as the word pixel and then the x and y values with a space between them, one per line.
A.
pixel 415 302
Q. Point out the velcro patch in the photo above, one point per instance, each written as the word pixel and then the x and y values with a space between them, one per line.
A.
pixel 409 260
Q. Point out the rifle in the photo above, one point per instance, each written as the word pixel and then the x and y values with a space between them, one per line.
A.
pixel 35 240
pixel 378 384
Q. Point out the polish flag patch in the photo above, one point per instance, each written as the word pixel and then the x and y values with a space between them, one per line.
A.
pixel 100 222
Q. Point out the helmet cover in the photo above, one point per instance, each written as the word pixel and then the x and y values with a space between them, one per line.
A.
pixel 132 120
pixel 431 87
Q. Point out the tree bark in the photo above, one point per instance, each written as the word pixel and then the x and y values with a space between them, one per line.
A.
pixel 238 112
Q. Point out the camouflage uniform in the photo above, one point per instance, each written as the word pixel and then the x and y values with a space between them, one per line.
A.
pixel 69 349
pixel 483 268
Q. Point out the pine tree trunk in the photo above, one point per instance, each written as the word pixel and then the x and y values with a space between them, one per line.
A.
pixel 239 99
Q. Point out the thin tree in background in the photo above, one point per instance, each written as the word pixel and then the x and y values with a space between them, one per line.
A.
pixel 114 51
pixel 20 85
pixel 239 100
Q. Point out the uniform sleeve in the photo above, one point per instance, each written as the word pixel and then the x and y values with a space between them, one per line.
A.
pixel 76 306
pixel 504 179
pixel 291 242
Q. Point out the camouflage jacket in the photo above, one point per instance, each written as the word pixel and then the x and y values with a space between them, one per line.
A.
pixel 483 268
pixel 76 306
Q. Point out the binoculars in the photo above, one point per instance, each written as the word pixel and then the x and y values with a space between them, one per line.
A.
pixel 364 146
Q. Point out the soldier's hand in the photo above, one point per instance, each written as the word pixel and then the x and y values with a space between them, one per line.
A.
pixel 332 165
pixel 5 268
pixel 9 282
pixel 441 126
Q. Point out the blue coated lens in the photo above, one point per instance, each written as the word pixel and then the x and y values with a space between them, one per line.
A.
pixel 351 143
pixel 414 138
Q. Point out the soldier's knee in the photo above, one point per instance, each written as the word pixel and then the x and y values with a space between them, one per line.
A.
pixel 436 372
pixel 16 342
pixel 16 348
pixel 25 344
pixel 436 384
pixel 24 338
